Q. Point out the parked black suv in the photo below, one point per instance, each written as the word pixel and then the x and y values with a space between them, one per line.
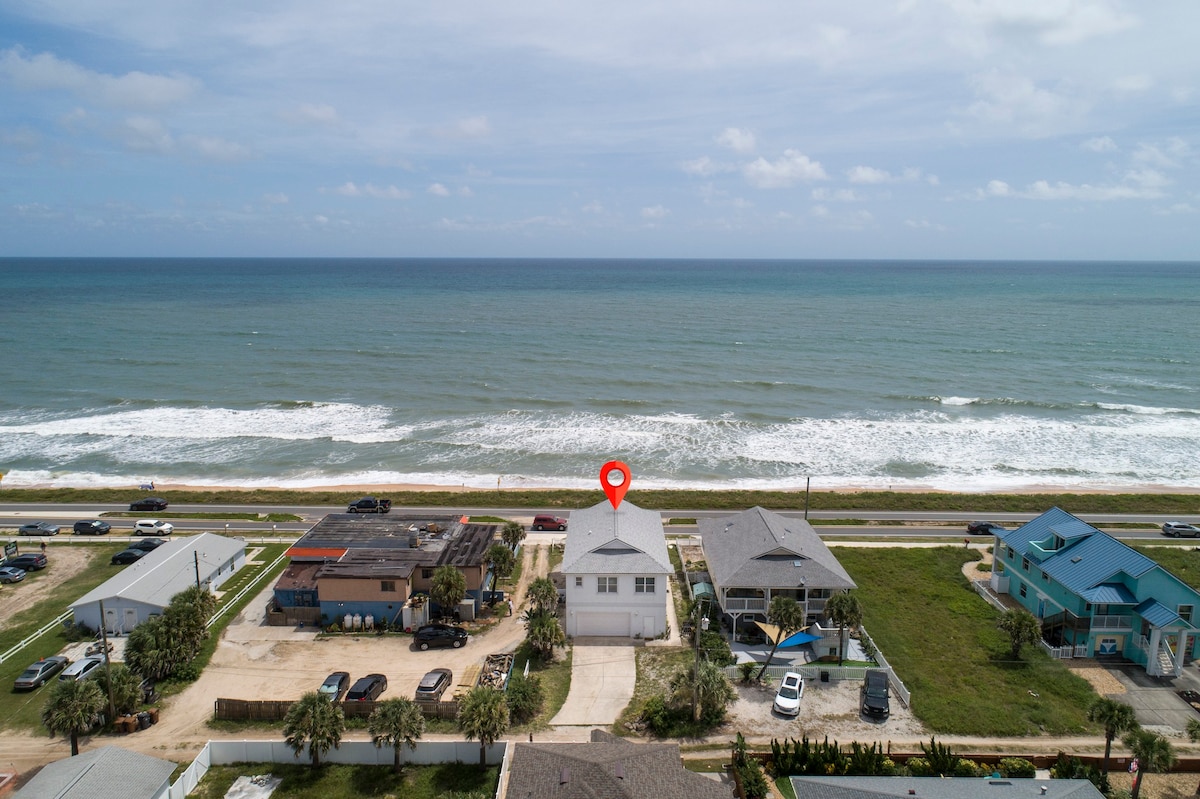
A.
pixel 875 700
pixel 435 635
pixel 367 689
pixel 91 527
pixel 149 503
pixel 434 684
pixel 30 561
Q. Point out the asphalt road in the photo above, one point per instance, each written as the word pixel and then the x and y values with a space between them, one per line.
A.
pixel 924 523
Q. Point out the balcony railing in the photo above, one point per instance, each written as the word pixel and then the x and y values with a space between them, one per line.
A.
pixel 738 604
pixel 1112 623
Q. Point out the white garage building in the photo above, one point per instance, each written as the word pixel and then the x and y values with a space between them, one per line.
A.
pixel 616 568
pixel 144 589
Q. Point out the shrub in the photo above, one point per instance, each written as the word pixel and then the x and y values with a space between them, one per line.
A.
pixel 657 715
pixel 919 767
pixel 524 698
pixel 968 768
pixel 1016 767
pixel 716 648
pixel 747 670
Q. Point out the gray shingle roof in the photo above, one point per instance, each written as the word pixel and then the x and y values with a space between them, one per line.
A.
pixel 109 772
pixel 628 540
pixel 939 788
pixel 606 768
pixel 761 549
pixel 166 571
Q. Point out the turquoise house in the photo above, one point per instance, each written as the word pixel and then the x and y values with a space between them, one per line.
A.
pixel 1095 596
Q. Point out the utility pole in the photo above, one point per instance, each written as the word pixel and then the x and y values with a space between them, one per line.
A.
pixel 807 485
pixel 112 705
pixel 196 558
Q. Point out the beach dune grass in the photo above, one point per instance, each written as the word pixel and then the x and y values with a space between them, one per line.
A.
pixel 1177 504
pixel 942 639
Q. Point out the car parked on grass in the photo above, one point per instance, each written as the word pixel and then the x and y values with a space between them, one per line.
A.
pixel 1180 530
pixel 367 689
pixel 434 684
pixel 152 527
pixel 549 523
pixel 91 527
pixel 38 673
pixel 149 503
pixel 11 574
pixel 986 528
pixel 335 685
pixel 127 556
pixel 30 562
pixel 875 701
pixel 82 669
pixel 432 636
pixel 39 528
pixel 791 691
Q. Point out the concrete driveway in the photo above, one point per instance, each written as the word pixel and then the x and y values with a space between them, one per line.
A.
pixel 1155 700
pixel 603 673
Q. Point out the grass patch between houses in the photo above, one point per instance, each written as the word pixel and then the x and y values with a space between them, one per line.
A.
pixel 344 781
pixel 655 666
pixel 555 677
pixel 941 638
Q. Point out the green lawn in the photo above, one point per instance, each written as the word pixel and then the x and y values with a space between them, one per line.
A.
pixel 336 781
pixel 655 666
pixel 941 638
pixel 556 683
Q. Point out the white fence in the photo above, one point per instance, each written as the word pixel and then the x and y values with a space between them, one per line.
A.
pixel 224 753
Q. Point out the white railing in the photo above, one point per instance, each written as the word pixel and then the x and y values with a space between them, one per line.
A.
pixel 1112 623
pixel 737 604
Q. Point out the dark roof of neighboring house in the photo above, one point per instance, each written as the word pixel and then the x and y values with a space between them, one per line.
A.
pixel 1078 556
pixel 109 772
pixel 391 538
pixel 758 548
pixel 374 564
pixel 298 577
pixel 624 540
pixel 941 788
pixel 606 768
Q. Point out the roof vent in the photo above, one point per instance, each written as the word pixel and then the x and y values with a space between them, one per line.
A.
pixel 1076 559
pixel 912 791
pixel 620 771
pixel 564 776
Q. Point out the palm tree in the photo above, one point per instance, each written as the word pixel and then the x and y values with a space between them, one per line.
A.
pixel 126 687
pixel 483 715
pixel 151 650
pixel 1022 628
pixel 315 720
pixel 1154 753
pixel 706 687
pixel 397 722
pixel 542 595
pixel 1117 717
pixel 544 633
pixel 73 708
pixel 513 534
pixel 844 610
pixel 786 614
pixel 448 589
pixel 500 561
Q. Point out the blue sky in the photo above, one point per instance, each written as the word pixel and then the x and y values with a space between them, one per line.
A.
pixel 913 129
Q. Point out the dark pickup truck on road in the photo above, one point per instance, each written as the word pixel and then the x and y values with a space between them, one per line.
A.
pixel 370 505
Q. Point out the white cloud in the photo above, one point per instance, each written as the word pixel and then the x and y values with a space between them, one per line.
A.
pixel 594 207
pixel 276 199
pixel 1007 99
pixel 924 224
pixel 1166 155
pixel 867 174
pixel 145 135
pixel 465 191
pixel 216 149
pixel 1099 144
pixel 706 167
pixel 1133 84
pixel 1054 22
pixel 655 212
pixel 1137 185
pixel 794 167
pixel 315 114
pixel 438 190
pixel 737 139
pixel 998 188
pixel 835 195
pixel 133 90
pixel 351 189
pixel 473 127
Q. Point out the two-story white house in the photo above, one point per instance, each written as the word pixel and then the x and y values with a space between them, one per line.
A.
pixel 616 569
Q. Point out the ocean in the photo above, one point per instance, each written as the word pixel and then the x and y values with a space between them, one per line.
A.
pixel 972 376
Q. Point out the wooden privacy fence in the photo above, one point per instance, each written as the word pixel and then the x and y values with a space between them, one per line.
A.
pixel 276 709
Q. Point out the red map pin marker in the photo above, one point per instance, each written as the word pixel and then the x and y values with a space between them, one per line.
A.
pixel 615 491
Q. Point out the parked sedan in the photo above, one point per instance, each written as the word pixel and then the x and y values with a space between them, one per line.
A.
pixel 152 527
pixel 434 684
pixel 30 561
pixel 127 556
pixel 39 528
pixel 1181 530
pixel 148 544
pixel 37 674
pixel 11 574
pixel 82 669
pixel 367 689
pixel 91 527
pixel 149 503
pixel 335 685
pixel 436 635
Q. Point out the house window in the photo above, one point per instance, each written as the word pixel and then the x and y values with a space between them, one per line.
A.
pixel 387 586
pixel 1022 591
pixel 643 585
pixel 606 585
pixel 1045 577
pixel 579 582
pixel 1185 613
pixel 1025 564
pixel 1010 552
pixel 427 574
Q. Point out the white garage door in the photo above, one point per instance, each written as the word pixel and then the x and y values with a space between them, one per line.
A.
pixel 603 624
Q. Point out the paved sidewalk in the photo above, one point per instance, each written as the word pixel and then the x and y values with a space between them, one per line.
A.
pixel 603 673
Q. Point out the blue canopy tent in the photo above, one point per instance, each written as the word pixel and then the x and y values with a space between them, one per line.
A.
pixel 795 639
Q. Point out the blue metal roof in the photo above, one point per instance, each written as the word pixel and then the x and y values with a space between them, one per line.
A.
pixel 1109 594
pixel 1157 613
pixel 1087 558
